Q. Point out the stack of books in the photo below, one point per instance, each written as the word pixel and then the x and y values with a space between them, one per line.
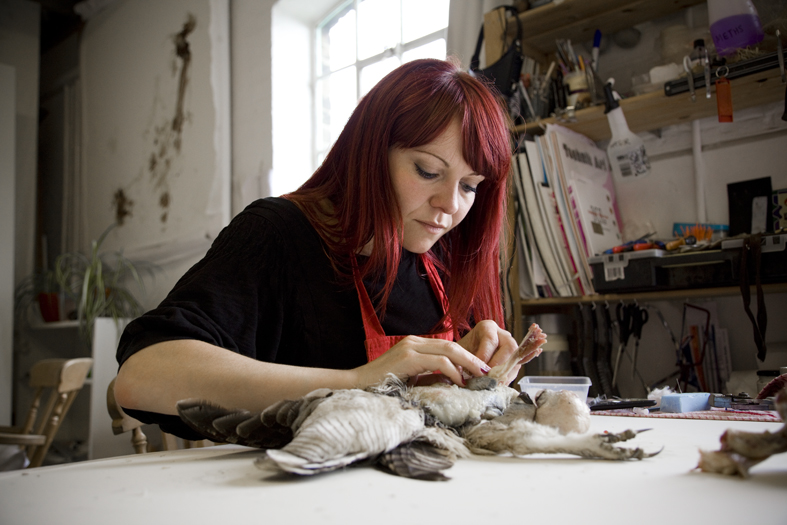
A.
pixel 566 212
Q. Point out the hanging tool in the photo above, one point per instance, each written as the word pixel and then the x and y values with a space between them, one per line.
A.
pixel 590 348
pixel 780 55
pixel 625 320
pixel 604 355
pixel 639 318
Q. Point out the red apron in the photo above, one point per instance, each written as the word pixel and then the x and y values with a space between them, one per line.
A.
pixel 377 343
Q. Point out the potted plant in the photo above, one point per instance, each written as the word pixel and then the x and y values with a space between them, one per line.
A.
pixel 41 289
pixel 97 284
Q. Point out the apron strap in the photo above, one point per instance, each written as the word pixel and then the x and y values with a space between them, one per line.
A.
pixel 377 342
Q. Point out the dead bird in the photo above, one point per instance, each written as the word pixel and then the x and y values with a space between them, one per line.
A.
pixel 415 432
pixel 741 450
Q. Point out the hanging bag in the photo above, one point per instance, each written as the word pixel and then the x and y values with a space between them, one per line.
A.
pixel 503 74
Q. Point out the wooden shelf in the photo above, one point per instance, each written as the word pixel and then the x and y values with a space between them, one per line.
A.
pixel 55 325
pixel 656 110
pixel 558 303
pixel 578 19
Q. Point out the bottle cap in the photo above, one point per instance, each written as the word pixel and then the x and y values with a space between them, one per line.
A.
pixel 610 101
pixel 699 43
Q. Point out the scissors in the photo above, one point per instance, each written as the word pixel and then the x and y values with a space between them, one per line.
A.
pixel 625 318
pixel 639 317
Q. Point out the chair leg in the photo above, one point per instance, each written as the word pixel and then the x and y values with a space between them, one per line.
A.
pixel 52 425
pixel 139 441
pixel 168 441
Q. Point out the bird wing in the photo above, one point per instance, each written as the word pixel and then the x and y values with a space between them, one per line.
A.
pixel 347 427
pixel 418 460
pixel 272 428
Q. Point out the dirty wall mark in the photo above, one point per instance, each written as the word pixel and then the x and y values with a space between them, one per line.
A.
pixel 123 206
pixel 168 135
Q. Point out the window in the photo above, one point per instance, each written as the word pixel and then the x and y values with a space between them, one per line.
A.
pixel 361 42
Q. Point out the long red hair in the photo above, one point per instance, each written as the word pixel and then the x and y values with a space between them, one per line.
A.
pixel 411 107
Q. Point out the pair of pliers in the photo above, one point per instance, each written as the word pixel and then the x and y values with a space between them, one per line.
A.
pixel 623 313
pixel 639 318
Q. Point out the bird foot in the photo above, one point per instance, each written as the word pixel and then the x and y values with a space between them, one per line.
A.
pixel 606 449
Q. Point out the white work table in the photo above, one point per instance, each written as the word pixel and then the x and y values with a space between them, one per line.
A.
pixel 220 485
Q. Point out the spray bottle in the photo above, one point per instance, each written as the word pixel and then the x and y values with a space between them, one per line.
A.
pixel 626 151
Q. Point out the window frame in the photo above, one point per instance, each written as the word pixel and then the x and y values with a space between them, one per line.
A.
pixel 320 72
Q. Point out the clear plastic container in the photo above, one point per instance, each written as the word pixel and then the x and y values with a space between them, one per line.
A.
pixel 734 24
pixel 577 384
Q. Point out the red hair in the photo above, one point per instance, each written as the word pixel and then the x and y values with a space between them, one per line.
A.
pixel 411 107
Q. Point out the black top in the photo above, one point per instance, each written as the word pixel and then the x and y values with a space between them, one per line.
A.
pixel 266 289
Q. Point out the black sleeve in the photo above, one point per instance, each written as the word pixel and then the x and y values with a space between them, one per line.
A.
pixel 223 298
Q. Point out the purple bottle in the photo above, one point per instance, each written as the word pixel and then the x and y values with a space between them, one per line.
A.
pixel 734 24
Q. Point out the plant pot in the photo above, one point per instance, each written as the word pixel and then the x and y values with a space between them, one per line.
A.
pixel 49 304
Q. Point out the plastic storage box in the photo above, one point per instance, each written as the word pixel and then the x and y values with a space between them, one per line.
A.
pixel 577 384
pixel 652 270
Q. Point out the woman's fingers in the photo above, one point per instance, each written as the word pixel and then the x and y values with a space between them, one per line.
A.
pixel 490 343
pixel 448 357
pixel 414 355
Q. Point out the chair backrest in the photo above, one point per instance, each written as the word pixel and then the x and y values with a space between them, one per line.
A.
pixel 63 378
pixel 122 422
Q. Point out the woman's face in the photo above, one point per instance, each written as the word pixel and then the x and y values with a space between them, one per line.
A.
pixel 434 187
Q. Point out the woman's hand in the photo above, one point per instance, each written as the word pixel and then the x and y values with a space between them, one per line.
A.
pixel 495 346
pixel 415 355
pixel 490 343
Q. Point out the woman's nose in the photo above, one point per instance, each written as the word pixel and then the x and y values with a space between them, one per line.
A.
pixel 446 198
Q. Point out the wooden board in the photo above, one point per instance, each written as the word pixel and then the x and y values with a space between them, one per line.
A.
pixel 577 20
pixel 656 110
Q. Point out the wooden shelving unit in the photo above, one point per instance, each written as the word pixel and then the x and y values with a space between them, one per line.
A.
pixel 655 110
pixel 559 303
pixel 578 20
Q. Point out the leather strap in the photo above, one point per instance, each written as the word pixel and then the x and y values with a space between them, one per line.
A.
pixel 750 255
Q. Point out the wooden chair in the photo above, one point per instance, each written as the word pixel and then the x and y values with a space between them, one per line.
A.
pixel 122 422
pixel 64 379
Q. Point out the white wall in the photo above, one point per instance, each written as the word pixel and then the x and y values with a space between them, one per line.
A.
pixel 292 102
pixel 19 50
pixel 175 179
pixel 7 183
pixel 19 47
pixel 252 142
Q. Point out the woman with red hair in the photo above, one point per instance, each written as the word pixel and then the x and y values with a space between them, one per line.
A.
pixel 386 261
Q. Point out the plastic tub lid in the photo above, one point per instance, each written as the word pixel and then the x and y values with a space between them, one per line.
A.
pixel 566 380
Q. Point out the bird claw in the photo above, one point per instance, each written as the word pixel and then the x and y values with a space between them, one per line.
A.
pixel 608 451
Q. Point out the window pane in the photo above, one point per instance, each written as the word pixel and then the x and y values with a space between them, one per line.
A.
pixel 378 27
pixel 372 74
pixel 338 97
pixel 422 17
pixel 434 49
pixel 338 42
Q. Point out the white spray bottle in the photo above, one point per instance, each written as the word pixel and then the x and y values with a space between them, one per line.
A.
pixel 626 151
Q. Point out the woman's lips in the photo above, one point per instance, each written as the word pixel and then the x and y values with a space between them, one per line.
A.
pixel 432 227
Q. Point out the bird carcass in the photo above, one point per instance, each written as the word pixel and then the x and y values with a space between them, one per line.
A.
pixel 414 432
pixel 741 450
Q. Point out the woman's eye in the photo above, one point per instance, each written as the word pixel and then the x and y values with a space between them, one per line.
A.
pixel 468 188
pixel 423 173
